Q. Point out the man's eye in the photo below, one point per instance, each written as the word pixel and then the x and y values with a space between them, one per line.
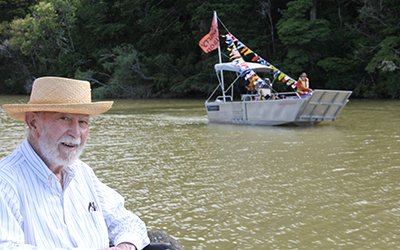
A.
pixel 63 118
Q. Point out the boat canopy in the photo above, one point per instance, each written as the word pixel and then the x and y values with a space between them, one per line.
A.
pixel 231 66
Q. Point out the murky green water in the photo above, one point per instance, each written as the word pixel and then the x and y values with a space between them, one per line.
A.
pixel 330 186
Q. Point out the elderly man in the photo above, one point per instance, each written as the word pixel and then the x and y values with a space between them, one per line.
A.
pixel 49 199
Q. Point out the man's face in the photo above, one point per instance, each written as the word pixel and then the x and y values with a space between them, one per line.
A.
pixel 62 137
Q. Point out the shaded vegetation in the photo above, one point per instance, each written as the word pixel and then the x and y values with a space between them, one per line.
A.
pixel 147 48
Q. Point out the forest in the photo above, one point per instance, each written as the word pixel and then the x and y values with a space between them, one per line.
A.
pixel 150 48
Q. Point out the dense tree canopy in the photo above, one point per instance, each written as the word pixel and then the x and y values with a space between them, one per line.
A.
pixel 147 48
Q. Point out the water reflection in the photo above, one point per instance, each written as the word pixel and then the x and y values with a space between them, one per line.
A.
pixel 331 186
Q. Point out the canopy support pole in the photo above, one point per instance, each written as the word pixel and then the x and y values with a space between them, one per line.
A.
pixel 220 61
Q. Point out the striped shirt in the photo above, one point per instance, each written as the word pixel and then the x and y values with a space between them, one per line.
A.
pixel 36 213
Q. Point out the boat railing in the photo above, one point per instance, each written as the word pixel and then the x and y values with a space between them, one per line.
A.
pixel 221 98
pixel 293 94
pixel 271 96
pixel 250 97
pixel 261 95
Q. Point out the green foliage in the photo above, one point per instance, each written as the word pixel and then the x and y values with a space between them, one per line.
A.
pixel 376 47
pixel 44 36
pixel 13 9
pixel 392 86
pixel 13 67
pixel 302 37
pixel 149 48
pixel 386 58
pixel 128 73
pixel 336 65
pixel 340 73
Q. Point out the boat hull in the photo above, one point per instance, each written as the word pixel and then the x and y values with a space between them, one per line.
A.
pixel 323 105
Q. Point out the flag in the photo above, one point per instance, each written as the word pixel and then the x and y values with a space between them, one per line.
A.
pixel 246 50
pixel 210 41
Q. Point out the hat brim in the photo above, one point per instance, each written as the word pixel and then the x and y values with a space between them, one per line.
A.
pixel 17 111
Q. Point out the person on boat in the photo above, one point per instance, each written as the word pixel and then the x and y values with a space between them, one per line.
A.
pixel 49 199
pixel 251 90
pixel 303 85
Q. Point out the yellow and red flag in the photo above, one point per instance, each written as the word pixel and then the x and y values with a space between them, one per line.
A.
pixel 210 41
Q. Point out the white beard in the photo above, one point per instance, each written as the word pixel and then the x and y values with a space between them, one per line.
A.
pixel 50 150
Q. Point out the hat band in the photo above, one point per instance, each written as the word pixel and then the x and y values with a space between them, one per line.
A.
pixel 54 103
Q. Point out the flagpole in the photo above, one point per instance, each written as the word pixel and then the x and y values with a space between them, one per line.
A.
pixel 220 60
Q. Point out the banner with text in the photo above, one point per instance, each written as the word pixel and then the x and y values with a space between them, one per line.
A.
pixel 210 41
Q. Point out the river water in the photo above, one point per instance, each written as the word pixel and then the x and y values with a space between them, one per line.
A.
pixel 330 186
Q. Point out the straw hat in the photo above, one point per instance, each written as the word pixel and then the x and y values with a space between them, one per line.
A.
pixel 57 94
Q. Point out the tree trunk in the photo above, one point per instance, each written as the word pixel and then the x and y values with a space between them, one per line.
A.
pixel 313 11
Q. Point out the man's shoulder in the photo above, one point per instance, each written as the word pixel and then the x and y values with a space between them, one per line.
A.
pixel 81 165
pixel 10 167
pixel 11 162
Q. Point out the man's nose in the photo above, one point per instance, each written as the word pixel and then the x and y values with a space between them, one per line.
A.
pixel 74 129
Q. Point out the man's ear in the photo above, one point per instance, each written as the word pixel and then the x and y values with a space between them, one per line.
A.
pixel 31 120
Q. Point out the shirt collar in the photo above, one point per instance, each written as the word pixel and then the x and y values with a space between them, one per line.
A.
pixel 39 167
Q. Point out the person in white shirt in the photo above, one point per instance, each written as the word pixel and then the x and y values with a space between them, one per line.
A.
pixel 49 199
